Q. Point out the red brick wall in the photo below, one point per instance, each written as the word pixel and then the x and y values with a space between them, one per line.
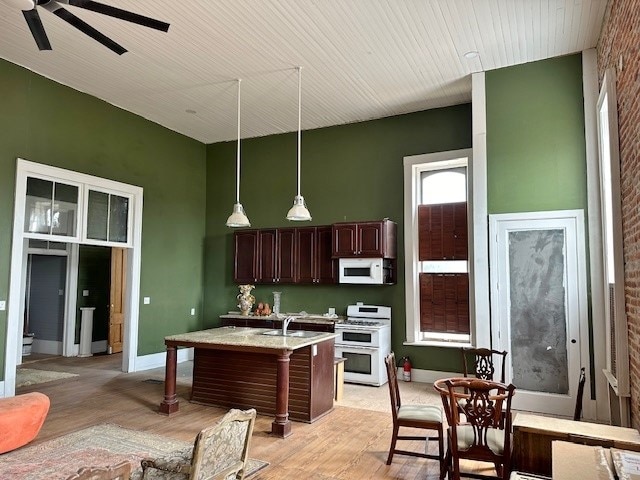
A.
pixel 619 48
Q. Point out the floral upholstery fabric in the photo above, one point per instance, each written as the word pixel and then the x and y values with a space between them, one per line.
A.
pixel 219 452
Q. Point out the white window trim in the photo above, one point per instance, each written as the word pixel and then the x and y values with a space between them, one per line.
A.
pixel 15 304
pixel 413 168
pixel 79 214
pixel 607 97
pixel 106 243
pixel 479 310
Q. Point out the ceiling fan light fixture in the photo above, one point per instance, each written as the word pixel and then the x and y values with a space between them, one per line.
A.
pixel 299 212
pixel 238 218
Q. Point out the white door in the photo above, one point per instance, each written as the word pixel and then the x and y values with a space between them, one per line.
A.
pixel 539 306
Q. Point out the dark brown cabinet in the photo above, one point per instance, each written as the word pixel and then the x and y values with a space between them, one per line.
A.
pixel 245 259
pixel 284 255
pixel 364 239
pixel 314 263
pixel 276 255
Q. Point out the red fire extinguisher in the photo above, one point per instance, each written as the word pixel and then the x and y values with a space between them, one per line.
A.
pixel 406 369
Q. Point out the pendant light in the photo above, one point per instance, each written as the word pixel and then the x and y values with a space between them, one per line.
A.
pixel 298 211
pixel 238 218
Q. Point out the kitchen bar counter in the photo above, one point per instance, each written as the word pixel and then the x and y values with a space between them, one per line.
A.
pixel 243 368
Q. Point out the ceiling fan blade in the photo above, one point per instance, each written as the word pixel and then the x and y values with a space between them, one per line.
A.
pixel 37 29
pixel 87 29
pixel 121 14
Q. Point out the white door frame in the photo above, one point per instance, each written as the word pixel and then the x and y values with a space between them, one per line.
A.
pixel 15 312
pixel 70 293
pixel 572 221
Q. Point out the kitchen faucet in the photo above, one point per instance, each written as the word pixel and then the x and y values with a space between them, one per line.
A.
pixel 285 325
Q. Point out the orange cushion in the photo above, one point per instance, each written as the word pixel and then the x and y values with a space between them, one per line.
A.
pixel 21 418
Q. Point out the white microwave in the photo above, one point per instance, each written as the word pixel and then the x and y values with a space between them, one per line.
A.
pixel 369 271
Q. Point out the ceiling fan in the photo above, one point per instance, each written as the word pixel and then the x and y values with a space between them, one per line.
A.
pixel 30 12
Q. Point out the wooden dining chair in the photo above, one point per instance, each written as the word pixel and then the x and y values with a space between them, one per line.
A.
pixel 478 362
pixel 428 417
pixel 485 433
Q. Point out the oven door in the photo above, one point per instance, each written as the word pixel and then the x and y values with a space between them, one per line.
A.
pixel 362 365
pixel 357 337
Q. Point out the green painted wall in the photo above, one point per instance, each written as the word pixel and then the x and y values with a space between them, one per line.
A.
pixel 349 172
pixel 536 157
pixel 48 123
pixel 535 137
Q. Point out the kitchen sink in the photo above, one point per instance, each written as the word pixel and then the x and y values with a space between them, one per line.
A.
pixel 292 333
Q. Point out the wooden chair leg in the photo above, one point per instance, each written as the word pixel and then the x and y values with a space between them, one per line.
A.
pixel 441 451
pixel 456 468
pixel 394 439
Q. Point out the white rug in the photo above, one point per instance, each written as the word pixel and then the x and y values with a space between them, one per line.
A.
pixel 30 376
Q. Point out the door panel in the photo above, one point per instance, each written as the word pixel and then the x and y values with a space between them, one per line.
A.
pixel 116 310
pixel 46 296
pixel 538 306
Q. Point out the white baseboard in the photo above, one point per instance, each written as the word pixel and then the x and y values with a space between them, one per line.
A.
pixel 157 360
pixel 49 347
pixel 428 376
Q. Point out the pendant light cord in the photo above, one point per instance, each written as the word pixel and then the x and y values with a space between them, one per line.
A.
pixel 299 121
pixel 238 150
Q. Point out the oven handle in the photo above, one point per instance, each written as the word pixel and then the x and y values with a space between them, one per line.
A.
pixel 355 347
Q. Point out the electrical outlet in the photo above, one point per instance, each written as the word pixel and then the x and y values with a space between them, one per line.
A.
pixel 85 293
pixel 193 311
pixel 146 300
pixel 3 305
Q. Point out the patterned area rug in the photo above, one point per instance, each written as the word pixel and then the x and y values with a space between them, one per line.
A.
pixel 99 445
pixel 31 376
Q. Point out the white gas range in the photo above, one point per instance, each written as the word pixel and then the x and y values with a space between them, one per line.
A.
pixel 364 339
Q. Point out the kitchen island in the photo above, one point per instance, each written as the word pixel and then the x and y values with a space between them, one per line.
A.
pixel 284 376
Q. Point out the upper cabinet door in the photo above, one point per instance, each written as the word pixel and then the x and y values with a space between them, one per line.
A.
pixel 370 239
pixel 267 258
pixel 245 268
pixel 286 255
pixel 345 240
pixel 306 254
pixel 325 264
pixel 51 209
pixel 375 239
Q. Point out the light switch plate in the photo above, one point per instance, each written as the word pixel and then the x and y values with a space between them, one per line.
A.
pixel 3 305
pixel 85 293
pixel 146 300
pixel 193 311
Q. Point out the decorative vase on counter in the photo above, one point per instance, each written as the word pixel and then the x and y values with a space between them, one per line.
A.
pixel 276 302
pixel 245 299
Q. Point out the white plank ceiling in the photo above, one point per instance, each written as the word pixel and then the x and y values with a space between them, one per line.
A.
pixel 361 59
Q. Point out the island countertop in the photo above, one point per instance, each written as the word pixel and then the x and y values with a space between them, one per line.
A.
pixel 236 338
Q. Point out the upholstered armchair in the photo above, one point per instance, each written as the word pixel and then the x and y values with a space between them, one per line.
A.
pixel 220 452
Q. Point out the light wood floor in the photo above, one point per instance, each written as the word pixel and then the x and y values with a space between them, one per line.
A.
pixel 349 443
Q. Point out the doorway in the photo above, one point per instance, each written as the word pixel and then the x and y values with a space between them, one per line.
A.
pixel 45 303
pixel 77 231
pixel 539 306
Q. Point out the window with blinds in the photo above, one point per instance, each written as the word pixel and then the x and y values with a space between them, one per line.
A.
pixel 444 279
